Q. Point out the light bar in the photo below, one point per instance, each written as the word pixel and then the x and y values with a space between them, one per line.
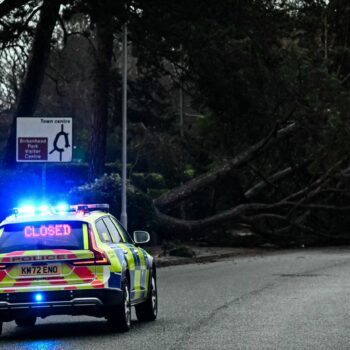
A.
pixel 61 208
pixel 90 207
pixel 42 209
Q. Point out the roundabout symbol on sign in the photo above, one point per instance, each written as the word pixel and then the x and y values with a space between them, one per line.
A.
pixel 56 147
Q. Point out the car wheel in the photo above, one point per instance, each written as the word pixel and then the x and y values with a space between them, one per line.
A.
pixel 28 321
pixel 119 318
pixel 148 310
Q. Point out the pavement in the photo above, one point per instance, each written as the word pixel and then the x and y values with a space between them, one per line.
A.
pixel 203 254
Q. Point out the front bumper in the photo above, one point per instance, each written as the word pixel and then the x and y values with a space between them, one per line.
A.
pixel 92 302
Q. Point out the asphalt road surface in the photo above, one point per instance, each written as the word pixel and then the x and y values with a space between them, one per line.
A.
pixel 291 300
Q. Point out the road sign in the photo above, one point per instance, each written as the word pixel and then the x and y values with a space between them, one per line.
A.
pixel 44 140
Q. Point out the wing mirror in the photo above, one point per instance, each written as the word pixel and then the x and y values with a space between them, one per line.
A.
pixel 141 237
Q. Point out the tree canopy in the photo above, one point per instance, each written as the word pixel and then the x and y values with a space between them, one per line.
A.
pixel 240 109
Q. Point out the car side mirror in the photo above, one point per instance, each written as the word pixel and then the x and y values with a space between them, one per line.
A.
pixel 141 237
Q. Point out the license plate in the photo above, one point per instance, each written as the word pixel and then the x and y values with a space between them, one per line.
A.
pixel 43 270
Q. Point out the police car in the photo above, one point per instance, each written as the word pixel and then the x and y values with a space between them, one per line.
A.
pixel 74 260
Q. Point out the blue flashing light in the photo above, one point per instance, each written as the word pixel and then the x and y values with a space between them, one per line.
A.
pixel 26 210
pixel 62 207
pixel 38 297
pixel 44 208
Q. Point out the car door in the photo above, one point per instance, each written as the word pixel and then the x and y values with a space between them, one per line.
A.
pixel 114 280
pixel 117 242
pixel 142 271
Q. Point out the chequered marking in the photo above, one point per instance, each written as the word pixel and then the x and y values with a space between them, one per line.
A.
pixel 130 256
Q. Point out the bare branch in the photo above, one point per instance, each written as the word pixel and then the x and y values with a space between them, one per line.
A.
pixel 317 184
pixel 255 190
pixel 8 5
pixel 321 206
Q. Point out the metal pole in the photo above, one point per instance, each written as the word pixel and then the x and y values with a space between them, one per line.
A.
pixel 181 97
pixel 124 215
pixel 43 181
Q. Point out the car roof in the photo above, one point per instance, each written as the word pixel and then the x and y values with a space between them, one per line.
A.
pixel 89 217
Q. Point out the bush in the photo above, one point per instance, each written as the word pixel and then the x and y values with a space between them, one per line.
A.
pixel 148 182
pixel 107 189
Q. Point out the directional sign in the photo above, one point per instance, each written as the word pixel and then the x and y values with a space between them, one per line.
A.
pixel 44 139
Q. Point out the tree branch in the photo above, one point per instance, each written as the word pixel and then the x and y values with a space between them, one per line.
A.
pixel 256 189
pixel 186 190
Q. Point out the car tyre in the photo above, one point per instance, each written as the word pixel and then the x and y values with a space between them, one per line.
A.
pixel 28 321
pixel 119 318
pixel 148 310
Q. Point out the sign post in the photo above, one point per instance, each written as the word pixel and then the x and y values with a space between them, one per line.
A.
pixel 43 140
pixel 43 180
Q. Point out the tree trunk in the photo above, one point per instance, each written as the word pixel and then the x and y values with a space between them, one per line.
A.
pixel 103 57
pixel 30 92
pixel 184 191
pixel 183 228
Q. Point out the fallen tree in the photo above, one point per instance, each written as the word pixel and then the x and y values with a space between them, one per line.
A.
pixel 289 218
pixel 279 207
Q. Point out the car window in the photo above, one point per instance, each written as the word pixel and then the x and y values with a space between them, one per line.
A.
pixel 122 230
pixel 103 232
pixel 116 238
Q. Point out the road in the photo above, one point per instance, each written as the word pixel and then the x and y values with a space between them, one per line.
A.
pixel 292 300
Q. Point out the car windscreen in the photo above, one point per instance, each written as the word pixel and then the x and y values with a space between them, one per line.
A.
pixel 42 235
